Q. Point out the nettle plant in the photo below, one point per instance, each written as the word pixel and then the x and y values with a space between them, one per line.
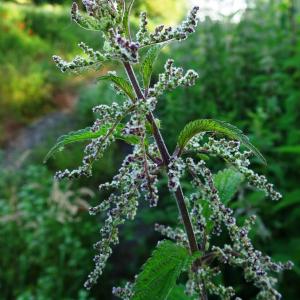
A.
pixel 204 213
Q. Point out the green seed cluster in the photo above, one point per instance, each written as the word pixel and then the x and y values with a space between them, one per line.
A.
pixel 172 78
pixel 164 34
pixel 256 266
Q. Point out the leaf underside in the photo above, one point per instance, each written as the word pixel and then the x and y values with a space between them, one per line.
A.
pixel 121 83
pixel 147 65
pixel 227 183
pixel 161 271
pixel 215 126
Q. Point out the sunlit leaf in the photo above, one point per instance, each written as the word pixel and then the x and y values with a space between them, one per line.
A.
pixel 209 125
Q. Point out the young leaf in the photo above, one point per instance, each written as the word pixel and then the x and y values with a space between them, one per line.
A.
pixel 87 134
pixel 126 18
pixel 209 125
pixel 147 65
pixel 227 183
pixel 161 271
pixel 121 83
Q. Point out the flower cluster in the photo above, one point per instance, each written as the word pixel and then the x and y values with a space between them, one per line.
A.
pixel 137 126
pixel 163 34
pixel 130 183
pixel 122 48
pixel 177 234
pixel 195 284
pixel 230 151
pixel 119 206
pixel 143 31
pixel 172 78
pixel 198 219
pixel 241 253
pixel 176 169
pixel 125 292
pixel 79 63
pixel 107 16
pixel 108 126
pixel 102 14
pixel 137 177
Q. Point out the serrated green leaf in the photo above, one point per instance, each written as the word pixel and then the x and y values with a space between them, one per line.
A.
pixel 126 18
pixel 121 83
pixel 209 125
pixel 86 134
pixel 161 271
pixel 147 65
pixel 72 137
pixel 227 183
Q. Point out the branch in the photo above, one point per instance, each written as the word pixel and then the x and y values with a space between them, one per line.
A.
pixel 166 159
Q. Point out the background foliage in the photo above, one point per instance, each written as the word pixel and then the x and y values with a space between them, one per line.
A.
pixel 249 76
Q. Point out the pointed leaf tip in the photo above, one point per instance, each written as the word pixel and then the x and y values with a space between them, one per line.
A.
pixel 147 65
pixel 121 83
pixel 87 134
pixel 210 125
pixel 161 271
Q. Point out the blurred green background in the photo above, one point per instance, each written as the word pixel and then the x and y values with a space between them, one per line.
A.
pixel 249 66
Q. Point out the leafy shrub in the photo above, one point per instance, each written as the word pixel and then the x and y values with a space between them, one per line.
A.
pixel 43 228
pixel 29 33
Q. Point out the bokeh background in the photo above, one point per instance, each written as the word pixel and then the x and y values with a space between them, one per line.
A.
pixel 248 56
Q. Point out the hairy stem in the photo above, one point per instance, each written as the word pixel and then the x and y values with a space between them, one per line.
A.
pixel 166 159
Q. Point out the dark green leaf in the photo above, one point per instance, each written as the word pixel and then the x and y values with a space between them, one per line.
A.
pixel 161 271
pixel 215 126
pixel 227 183
pixel 147 65
pixel 121 83
pixel 86 134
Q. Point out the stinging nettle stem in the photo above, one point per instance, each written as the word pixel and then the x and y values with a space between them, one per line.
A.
pixel 166 159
